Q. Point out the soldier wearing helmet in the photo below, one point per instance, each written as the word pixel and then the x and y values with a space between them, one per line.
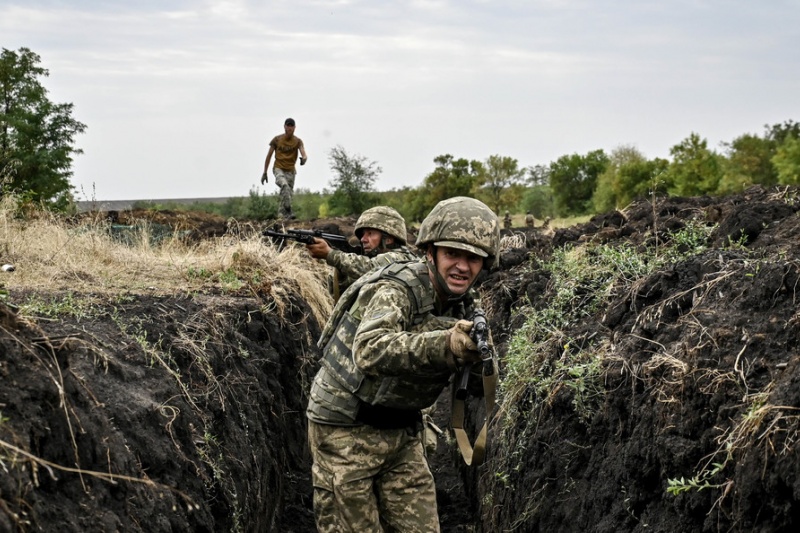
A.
pixel 529 220
pixel 394 339
pixel 382 232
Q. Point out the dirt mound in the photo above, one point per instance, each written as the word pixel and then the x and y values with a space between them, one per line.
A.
pixel 195 226
pixel 175 413
pixel 184 412
pixel 698 382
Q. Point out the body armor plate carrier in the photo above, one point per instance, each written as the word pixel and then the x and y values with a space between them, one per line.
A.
pixel 341 388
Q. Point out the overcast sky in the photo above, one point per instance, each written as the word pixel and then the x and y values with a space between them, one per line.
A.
pixel 181 98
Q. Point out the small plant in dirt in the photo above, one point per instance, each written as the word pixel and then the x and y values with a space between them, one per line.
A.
pixel 199 273
pixel 542 359
pixel 65 305
pixel 230 280
pixel 745 435
pixel 699 482
pixel 690 240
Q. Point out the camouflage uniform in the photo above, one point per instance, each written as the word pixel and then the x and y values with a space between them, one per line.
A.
pixel 349 267
pixel 507 220
pixel 385 358
pixel 284 179
pixel 529 220
pixel 362 471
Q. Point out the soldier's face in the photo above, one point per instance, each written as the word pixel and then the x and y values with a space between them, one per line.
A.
pixel 371 239
pixel 458 268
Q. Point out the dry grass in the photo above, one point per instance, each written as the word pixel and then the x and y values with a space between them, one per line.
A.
pixel 51 254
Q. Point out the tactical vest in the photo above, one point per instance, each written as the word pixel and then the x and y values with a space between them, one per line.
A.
pixel 340 388
pixel 338 283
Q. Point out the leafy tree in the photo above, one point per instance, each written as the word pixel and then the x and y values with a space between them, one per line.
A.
pixel 749 161
pixel 628 175
pixel 695 170
pixel 787 161
pixel 353 183
pixel 778 133
pixel 500 175
pixel 573 179
pixel 641 178
pixel 538 175
pixel 750 157
pixel 451 177
pixel 539 201
pixel 36 135
pixel 607 194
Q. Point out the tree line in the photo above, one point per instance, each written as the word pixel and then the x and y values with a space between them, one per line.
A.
pixel 37 145
pixel 595 182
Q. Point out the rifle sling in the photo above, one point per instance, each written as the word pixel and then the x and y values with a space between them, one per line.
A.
pixel 474 454
pixel 336 292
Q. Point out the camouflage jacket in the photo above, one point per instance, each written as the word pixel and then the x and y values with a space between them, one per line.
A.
pixel 349 267
pixel 385 345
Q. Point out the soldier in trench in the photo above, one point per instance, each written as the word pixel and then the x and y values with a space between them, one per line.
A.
pixel 382 232
pixel 393 340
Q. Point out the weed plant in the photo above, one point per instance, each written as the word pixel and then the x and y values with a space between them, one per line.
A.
pixel 542 359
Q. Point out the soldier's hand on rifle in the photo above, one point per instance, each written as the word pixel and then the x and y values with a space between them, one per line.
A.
pixel 319 249
pixel 264 178
pixel 461 346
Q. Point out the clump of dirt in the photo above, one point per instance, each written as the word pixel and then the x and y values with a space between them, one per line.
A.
pixel 185 412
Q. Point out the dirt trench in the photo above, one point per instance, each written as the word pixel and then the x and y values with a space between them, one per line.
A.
pixel 697 391
pixel 185 412
pixel 156 413
pixel 167 413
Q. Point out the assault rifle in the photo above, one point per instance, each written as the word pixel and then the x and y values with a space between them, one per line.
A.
pixel 479 334
pixel 307 236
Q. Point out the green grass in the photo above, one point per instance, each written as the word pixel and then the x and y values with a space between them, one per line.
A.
pixel 542 359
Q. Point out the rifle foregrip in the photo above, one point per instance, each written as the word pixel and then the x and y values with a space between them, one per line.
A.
pixel 463 383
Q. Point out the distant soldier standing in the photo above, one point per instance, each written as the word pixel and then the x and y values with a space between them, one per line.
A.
pixel 529 219
pixel 507 220
pixel 285 147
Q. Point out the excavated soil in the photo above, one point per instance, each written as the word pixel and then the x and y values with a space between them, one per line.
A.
pixel 184 412
pixel 701 370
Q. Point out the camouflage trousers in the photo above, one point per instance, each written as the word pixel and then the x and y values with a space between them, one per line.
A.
pixel 369 480
pixel 284 179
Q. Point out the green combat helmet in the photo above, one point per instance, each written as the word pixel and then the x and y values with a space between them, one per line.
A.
pixel 385 219
pixel 463 223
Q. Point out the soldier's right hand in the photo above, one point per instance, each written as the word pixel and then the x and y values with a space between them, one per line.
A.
pixel 264 178
pixel 319 249
pixel 461 346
